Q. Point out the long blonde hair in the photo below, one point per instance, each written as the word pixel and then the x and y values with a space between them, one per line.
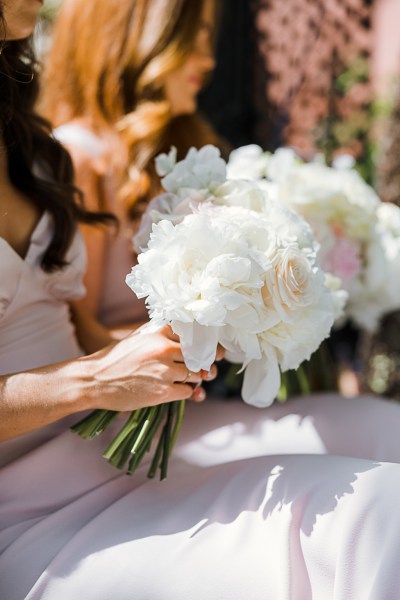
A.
pixel 107 63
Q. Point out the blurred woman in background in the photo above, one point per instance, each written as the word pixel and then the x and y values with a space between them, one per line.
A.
pixel 118 97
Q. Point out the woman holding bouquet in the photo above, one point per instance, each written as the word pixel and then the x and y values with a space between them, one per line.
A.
pixel 115 111
pixel 70 525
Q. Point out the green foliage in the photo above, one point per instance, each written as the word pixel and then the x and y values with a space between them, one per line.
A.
pixel 355 132
pixel 357 72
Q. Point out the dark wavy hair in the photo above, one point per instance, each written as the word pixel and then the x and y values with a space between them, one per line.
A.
pixel 38 165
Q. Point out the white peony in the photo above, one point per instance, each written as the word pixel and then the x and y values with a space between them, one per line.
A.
pixel 200 170
pixel 247 280
pixel 239 193
pixel 188 183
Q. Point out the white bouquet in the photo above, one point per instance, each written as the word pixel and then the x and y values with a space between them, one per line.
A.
pixel 357 242
pixel 222 263
pixel 250 282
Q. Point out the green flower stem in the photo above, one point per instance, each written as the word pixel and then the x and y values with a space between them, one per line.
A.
pixel 137 434
pixel 88 426
pixel 303 380
pixel 125 431
pixel 178 423
pixel 146 444
pixel 123 450
pixel 157 455
pixel 151 414
pixel 123 454
pixel 106 420
pixel 167 440
pixel 283 390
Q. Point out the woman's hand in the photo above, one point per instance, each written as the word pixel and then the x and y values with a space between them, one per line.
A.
pixel 140 370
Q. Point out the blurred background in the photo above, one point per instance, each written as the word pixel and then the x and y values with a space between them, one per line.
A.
pixel 313 74
pixel 319 76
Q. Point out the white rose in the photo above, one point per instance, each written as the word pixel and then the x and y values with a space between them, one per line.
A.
pixel 291 283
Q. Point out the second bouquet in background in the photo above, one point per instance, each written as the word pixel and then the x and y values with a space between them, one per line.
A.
pixel 222 263
pixel 358 235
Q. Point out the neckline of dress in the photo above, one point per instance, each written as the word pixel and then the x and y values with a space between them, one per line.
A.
pixel 32 240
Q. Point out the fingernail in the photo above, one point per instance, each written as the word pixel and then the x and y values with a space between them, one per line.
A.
pixel 199 394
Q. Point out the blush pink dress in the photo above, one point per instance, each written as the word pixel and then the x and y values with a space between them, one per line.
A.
pixel 258 504
pixel 115 303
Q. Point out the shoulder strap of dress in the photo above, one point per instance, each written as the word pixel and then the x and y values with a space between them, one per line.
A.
pixel 77 135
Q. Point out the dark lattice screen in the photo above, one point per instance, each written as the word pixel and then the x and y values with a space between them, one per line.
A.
pixel 228 101
pixel 305 46
pixel 277 65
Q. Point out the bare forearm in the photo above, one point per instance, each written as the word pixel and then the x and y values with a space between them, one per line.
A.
pixel 140 370
pixel 119 332
pixel 33 399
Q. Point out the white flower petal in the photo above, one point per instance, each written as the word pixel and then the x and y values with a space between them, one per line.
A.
pixel 199 344
pixel 261 382
pixel 166 162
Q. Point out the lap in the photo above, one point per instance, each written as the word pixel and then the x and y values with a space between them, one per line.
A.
pixel 256 506
pixel 282 527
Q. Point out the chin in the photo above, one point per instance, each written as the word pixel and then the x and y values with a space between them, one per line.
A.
pixel 22 34
pixel 188 109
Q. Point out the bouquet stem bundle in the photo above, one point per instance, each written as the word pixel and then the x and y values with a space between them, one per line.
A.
pixel 136 437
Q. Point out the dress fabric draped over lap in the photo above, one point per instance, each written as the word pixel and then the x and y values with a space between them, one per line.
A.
pixel 258 504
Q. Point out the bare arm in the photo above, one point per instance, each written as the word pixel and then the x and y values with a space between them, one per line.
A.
pixel 141 370
pixel 33 399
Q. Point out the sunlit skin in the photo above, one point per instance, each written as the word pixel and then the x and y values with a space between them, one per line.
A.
pixel 183 85
pixel 20 17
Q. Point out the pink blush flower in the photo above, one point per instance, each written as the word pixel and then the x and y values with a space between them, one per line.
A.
pixel 343 260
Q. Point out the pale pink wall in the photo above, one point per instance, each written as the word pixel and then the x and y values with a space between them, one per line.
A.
pixel 385 66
